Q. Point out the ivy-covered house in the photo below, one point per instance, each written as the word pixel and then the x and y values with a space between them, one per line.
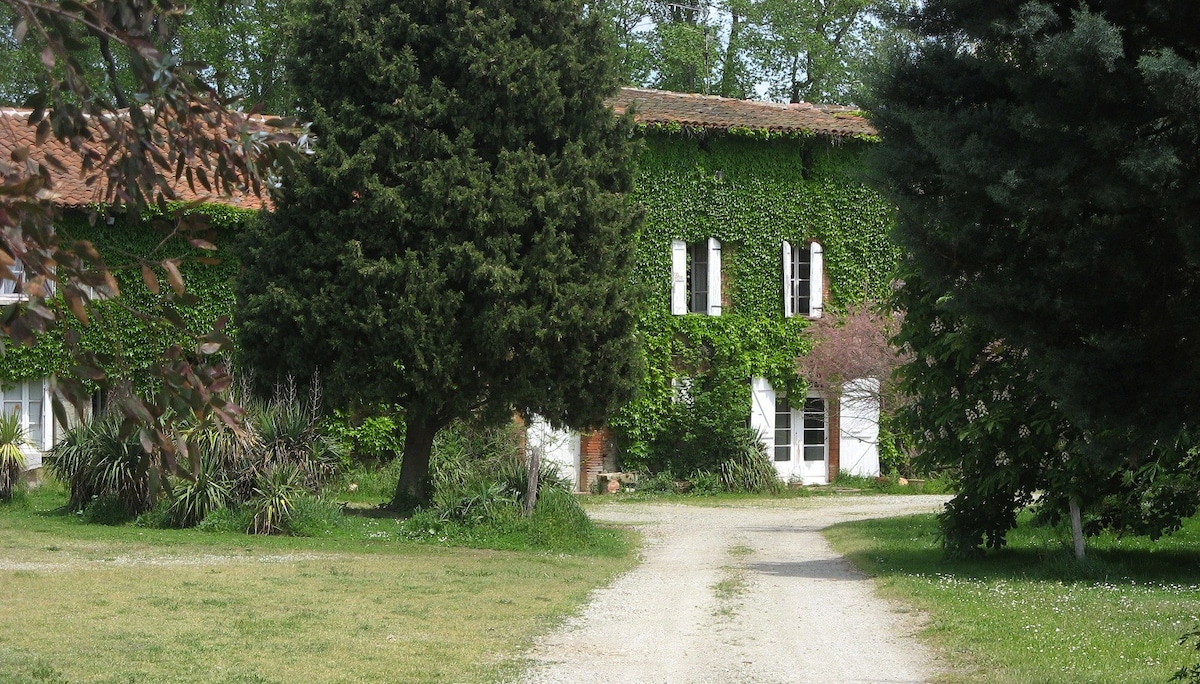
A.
pixel 756 223
pixel 123 342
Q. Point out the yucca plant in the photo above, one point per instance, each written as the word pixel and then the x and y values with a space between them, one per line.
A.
pixel 12 461
pixel 276 491
pixel 207 491
pixel 95 460
pixel 749 470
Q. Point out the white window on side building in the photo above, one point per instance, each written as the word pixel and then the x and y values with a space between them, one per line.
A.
pixel 29 399
pixel 803 279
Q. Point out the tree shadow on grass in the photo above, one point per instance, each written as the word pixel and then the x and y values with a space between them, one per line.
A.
pixel 910 546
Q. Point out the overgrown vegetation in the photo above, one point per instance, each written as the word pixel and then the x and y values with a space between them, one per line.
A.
pixel 281 455
pixel 1031 612
pixel 750 195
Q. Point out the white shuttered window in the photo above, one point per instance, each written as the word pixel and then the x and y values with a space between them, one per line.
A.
pixel 696 277
pixel 803 279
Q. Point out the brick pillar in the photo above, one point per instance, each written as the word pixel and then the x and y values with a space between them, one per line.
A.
pixel 834 431
pixel 593 450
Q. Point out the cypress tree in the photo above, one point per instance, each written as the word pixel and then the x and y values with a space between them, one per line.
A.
pixel 459 243
pixel 1045 162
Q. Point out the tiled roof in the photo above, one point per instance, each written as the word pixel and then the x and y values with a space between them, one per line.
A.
pixel 70 187
pixel 722 113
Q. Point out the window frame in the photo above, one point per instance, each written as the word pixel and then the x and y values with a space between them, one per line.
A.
pixel 793 279
pixel 686 279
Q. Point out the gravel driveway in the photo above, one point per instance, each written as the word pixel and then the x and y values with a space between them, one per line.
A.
pixel 740 593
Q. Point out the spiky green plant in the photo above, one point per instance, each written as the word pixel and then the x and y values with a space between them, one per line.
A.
pixel 94 459
pixel 749 470
pixel 12 461
pixel 275 493
pixel 192 499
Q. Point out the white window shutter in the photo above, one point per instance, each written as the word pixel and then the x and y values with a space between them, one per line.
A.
pixel 679 289
pixel 714 277
pixel 788 285
pixel 47 417
pixel 762 412
pixel 817 280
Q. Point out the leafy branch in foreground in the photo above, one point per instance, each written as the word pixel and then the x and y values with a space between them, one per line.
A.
pixel 167 138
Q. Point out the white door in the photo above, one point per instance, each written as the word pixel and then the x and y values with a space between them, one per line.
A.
pixel 812 439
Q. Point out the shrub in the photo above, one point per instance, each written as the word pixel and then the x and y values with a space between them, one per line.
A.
pixel 312 516
pixel 191 500
pixel 276 491
pixel 96 461
pixel 559 522
pixel 748 469
pixel 12 461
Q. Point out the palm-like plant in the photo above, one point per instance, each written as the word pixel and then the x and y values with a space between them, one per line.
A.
pixel 12 461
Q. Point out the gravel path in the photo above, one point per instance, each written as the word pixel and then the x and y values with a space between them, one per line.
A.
pixel 740 594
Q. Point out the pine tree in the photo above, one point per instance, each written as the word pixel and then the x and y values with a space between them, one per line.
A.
pixel 1044 158
pixel 460 242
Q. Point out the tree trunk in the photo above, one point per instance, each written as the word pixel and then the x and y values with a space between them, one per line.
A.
pixel 412 490
pixel 729 73
pixel 1077 527
pixel 531 485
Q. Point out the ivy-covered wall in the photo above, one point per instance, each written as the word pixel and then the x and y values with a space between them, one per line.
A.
pixel 752 193
pixel 124 342
pixel 748 192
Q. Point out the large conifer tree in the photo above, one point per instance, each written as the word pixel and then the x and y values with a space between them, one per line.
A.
pixel 460 241
pixel 1044 157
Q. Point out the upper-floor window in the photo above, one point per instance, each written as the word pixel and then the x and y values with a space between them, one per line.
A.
pixel 696 277
pixel 803 283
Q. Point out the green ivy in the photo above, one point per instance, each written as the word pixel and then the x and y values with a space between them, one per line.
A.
pixel 751 192
pixel 124 342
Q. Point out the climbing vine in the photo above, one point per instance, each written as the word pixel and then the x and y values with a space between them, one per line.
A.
pixel 124 342
pixel 751 193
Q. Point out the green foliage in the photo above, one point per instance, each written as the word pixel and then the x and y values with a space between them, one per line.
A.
pixel 280 454
pixel 459 240
pixel 752 196
pixel 749 469
pixel 273 499
pixel 1189 674
pixel 190 500
pixel 12 461
pixel 124 333
pixel 372 438
pixel 97 462
pixel 1044 162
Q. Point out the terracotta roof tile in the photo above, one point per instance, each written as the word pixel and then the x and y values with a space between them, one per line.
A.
pixel 722 113
pixel 71 188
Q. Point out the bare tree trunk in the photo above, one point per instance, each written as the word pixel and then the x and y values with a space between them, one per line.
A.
pixel 531 486
pixel 1077 527
pixel 412 489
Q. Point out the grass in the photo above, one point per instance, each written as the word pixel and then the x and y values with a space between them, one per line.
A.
pixel 734 581
pixel 89 603
pixel 1031 613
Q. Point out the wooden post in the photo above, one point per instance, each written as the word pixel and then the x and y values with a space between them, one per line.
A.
pixel 531 487
pixel 1077 527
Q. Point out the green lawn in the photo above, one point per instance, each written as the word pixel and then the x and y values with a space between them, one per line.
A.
pixel 89 603
pixel 1030 613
